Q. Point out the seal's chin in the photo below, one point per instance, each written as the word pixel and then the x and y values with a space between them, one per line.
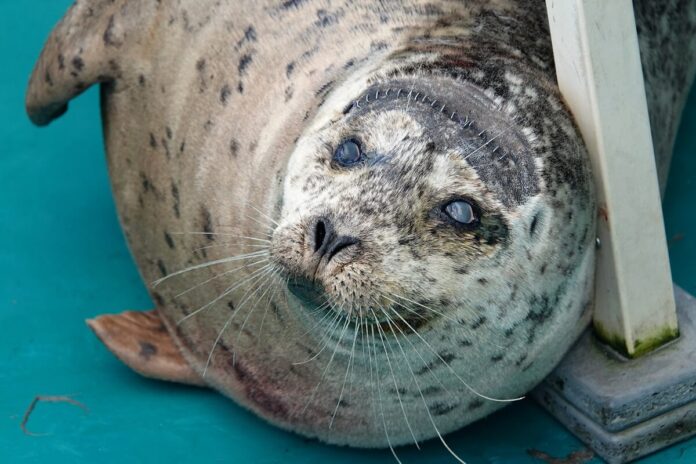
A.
pixel 310 294
pixel 391 316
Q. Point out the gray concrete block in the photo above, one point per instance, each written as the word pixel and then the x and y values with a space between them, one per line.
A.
pixel 625 409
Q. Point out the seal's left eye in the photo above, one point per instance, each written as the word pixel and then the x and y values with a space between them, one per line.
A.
pixel 348 153
pixel 461 212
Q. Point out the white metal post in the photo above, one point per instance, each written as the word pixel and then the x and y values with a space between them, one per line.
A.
pixel 595 45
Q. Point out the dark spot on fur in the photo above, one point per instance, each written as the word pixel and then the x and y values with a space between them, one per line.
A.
pixel 264 400
pixel 147 350
pixel 533 226
pixel 224 94
pixel 291 4
pixel 141 79
pixel 324 88
pixel 475 404
pixel 440 409
pixel 234 147
pixel 168 132
pixel 162 268
pixel 153 141
pixel 78 63
pixel 145 182
pixel 159 301
pixel 175 196
pixel 325 19
pixel 207 223
pixel 478 322
pixel 168 239
pixel 442 358
pixel 497 358
pixel 109 40
pixel 522 359
pixel 431 390
pixel 240 87
pixel 200 64
pixel 249 36
pixel 289 69
pixel 244 63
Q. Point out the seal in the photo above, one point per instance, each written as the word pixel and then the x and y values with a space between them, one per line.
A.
pixel 369 223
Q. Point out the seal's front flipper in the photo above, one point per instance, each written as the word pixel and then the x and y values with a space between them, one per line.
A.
pixel 96 41
pixel 141 340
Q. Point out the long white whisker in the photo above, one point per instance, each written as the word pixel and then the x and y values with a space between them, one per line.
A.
pixel 226 292
pixel 220 275
pixel 454 321
pixel 224 327
pixel 268 285
pixel 340 339
pixel 381 405
pixel 420 391
pixel 265 312
pixel 224 234
pixel 425 363
pixel 324 340
pixel 469 387
pixel 396 386
pixel 262 213
pixel 345 377
pixel 486 144
pixel 230 244
pixel 229 259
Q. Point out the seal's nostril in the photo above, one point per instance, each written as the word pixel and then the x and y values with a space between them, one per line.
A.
pixel 319 235
pixel 339 244
pixel 327 243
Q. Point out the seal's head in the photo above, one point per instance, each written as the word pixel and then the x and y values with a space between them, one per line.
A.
pixel 426 230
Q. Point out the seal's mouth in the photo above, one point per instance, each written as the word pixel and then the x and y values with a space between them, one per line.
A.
pixel 392 317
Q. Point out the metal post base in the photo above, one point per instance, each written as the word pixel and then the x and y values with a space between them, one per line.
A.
pixel 624 409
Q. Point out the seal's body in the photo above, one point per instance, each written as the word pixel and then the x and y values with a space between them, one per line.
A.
pixel 370 223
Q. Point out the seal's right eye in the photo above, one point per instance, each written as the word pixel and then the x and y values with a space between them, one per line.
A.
pixel 348 153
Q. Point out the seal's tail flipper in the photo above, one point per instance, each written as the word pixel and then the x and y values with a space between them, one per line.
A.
pixel 141 341
pixel 92 43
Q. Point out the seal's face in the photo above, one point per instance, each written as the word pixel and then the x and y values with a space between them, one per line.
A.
pixel 385 214
pixel 430 251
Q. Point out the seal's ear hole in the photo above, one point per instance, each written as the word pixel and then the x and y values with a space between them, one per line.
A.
pixel 536 223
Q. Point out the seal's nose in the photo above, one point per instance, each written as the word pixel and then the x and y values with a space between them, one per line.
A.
pixel 326 242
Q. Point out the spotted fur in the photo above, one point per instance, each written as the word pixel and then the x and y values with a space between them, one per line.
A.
pixel 220 121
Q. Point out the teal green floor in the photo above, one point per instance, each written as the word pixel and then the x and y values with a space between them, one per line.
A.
pixel 63 259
